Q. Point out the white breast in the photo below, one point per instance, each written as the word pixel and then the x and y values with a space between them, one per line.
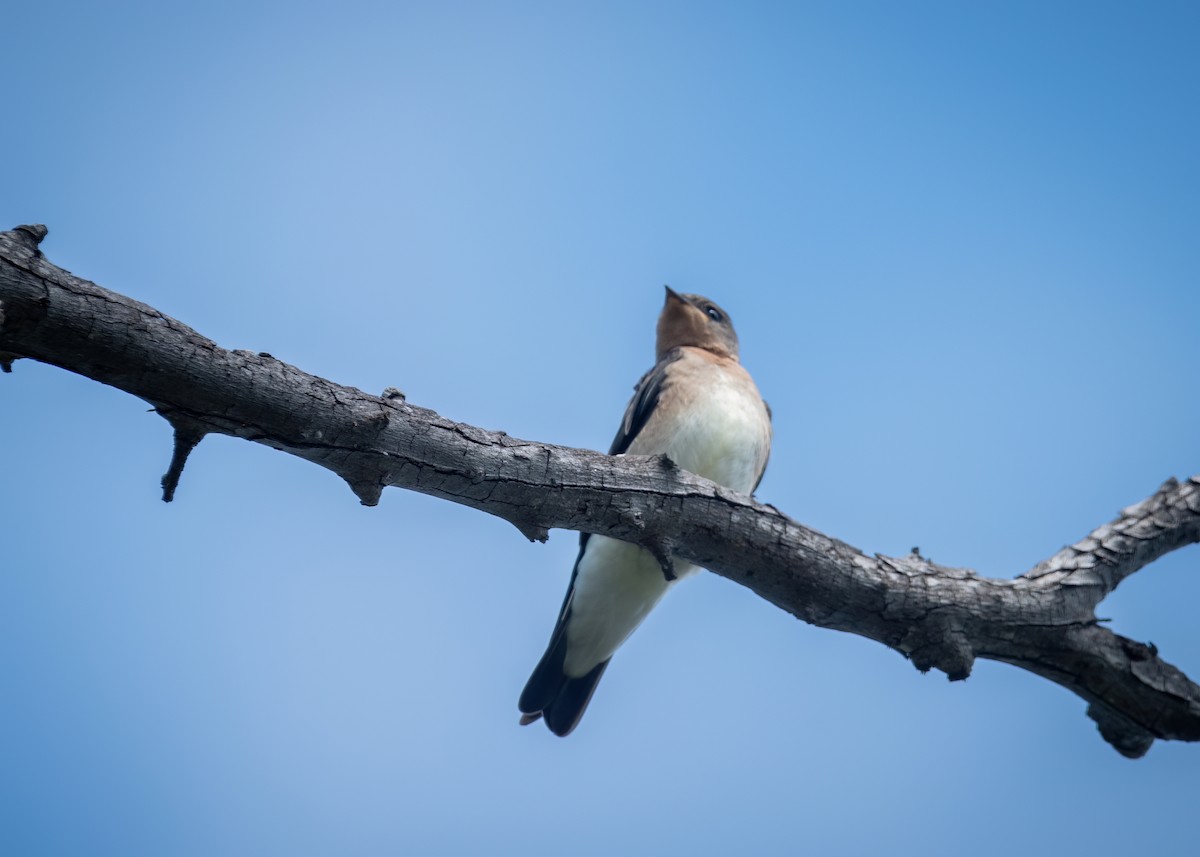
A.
pixel 710 420
pixel 714 425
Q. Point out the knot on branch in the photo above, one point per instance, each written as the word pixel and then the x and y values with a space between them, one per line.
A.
pixel 368 490
pixel 533 531
pixel 375 421
pixel 662 549
pixel 32 235
pixel 653 541
pixel 1126 737
pixel 1136 651
pixel 940 642
pixel 18 313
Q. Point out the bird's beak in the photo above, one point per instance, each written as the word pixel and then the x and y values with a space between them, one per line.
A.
pixel 671 293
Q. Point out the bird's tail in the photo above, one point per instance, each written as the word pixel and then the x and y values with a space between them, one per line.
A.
pixel 551 694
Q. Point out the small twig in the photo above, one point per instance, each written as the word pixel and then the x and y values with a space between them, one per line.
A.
pixel 188 434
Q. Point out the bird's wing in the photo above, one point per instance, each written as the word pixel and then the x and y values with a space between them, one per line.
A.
pixel 637 413
pixel 645 398
pixel 763 470
pixel 549 691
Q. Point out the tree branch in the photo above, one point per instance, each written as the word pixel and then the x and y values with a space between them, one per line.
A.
pixel 939 617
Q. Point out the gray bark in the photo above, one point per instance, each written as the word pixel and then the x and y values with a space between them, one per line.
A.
pixel 940 618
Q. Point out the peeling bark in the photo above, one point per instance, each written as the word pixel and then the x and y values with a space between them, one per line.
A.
pixel 939 617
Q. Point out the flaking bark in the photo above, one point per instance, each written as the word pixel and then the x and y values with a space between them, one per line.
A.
pixel 940 617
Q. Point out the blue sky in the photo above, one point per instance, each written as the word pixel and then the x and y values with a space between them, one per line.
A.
pixel 959 244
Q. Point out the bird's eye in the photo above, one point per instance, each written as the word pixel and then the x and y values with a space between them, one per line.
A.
pixel 714 314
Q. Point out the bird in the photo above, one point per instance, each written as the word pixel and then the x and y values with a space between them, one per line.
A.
pixel 701 409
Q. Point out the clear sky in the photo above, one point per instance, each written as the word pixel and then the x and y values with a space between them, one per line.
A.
pixel 959 242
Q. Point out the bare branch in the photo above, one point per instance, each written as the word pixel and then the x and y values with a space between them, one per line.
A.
pixel 939 617
pixel 1167 520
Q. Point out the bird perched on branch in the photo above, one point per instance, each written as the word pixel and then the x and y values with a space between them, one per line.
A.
pixel 702 410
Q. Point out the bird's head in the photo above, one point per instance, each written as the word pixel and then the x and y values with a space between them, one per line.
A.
pixel 697 321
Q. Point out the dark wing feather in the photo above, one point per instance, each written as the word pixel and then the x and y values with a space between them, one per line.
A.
pixel 564 714
pixel 645 397
pixel 548 676
pixel 763 472
pixel 550 692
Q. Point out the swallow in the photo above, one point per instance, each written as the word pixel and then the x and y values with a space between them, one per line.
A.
pixel 699 407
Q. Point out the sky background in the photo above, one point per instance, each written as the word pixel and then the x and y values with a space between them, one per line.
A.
pixel 959 243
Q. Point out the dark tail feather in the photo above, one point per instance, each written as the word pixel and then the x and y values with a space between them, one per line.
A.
pixel 547 677
pixel 552 694
pixel 565 712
